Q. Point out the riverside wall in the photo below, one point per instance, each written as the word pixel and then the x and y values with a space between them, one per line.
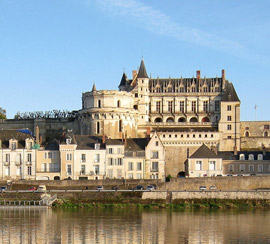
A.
pixel 225 183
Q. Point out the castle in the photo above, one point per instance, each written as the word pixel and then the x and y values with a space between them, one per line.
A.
pixel 185 113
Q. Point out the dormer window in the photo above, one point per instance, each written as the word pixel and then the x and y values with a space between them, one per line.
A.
pixel 29 145
pixel 13 145
pixel 242 157
pixel 260 157
pixel 250 157
pixel 68 140
pixel 97 146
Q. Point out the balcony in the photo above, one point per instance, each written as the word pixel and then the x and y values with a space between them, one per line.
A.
pixel 28 163
pixel 18 163
pixel 6 163
pixel 56 170
pixel 154 170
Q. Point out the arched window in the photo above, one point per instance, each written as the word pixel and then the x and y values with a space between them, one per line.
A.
pixel 182 120
pixel 247 134
pixel 242 157
pixel 118 103
pixel 260 157
pixel 158 120
pixel 265 134
pixel 170 120
pixel 193 119
pixel 250 157
pixel 231 167
pixel 205 119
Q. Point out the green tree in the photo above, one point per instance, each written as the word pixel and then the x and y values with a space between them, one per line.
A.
pixel 2 113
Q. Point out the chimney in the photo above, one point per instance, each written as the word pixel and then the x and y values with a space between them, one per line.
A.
pixel 223 75
pixel 198 74
pixel 37 135
pixel 40 140
pixel 125 140
pixel 235 150
pixel 134 74
pixel 263 150
pixel 103 139
pixel 148 134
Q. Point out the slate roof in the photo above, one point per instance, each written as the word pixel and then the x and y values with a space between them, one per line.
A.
pixel 6 135
pixel 230 94
pixel 231 156
pixel 52 146
pixel 136 144
pixel 88 142
pixel 204 152
pixel 113 142
pixel 142 71
pixel 123 80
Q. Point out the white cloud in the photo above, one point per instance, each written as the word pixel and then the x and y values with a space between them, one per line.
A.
pixel 159 23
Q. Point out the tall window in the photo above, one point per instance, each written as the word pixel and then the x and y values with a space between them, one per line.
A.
pixel 170 103
pixel 229 127
pixel 97 158
pixel 242 167
pixel 130 166
pixel 82 169
pixel 98 127
pixel 229 108
pixel 205 106
pixel 29 170
pixel 212 165
pixel 193 106
pixel 69 156
pixel 198 165
pixel 158 89
pixel 29 157
pixel 182 89
pixel 155 154
pixel 7 158
pixel 139 166
pixel 182 106
pixel 251 168
pixel 155 166
pixel 83 157
pixel 217 106
pixel 110 161
pixel 69 169
pixel 205 89
pixel 119 161
pixel 193 89
pixel 118 103
pixel 96 169
pixel 99 103
pixel 158 106
pixel 120 125
pixel 229 118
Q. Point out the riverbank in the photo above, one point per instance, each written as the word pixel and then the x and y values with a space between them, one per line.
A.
pixel 177 205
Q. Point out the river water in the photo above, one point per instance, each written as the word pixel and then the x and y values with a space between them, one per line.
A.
pixel 133 226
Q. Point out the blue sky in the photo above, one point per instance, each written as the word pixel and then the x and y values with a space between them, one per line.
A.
pixel 51 51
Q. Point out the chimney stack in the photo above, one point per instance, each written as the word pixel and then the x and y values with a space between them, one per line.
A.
pixel 235 150
pixel 223 75
pixel 198 74
pixel 103 139
pixel 148 134
pixel 134 74
pixel 37 135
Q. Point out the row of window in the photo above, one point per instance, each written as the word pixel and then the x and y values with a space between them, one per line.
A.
pixel 250 157
pixel 183 106
pixel 18 171
pixel 265 134
pixel 182 89
pixel 18 158
pixel 250 168
pixel 189 135
pixel 182 120
pixel 211 165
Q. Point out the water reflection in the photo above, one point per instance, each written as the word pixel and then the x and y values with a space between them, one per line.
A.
pixel 132 226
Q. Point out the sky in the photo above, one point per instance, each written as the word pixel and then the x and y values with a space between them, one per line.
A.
pixel 52 51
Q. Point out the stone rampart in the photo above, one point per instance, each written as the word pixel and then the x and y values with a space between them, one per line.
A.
pixel 154 195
